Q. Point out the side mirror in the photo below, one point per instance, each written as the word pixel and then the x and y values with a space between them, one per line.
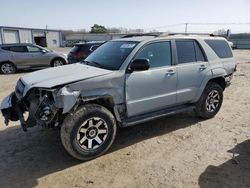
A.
pixel 44 51
pixel 139 65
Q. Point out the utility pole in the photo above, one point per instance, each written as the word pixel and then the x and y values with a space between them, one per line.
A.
pixel 186 27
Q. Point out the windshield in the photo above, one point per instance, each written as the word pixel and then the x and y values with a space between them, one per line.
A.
pixel 111 54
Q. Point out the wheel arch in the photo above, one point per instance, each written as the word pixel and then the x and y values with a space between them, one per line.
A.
pixel 7 61
pixel 106 101
pixel 219 80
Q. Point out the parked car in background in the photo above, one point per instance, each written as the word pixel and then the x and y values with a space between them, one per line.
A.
pixel 25 56
pixel 82 50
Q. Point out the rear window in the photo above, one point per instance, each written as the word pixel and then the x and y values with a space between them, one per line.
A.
pixel 220 47
pixel 6 48
pixel 84 48
pixel 15 48
pixel 76 48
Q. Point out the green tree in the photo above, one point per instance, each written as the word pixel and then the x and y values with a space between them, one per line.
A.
pixel 98 29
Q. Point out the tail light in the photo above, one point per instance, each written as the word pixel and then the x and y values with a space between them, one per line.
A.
pixel 80 55
pixel 235 68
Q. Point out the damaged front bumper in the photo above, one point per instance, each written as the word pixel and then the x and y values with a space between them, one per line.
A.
pixel 44 107
pixel 12 111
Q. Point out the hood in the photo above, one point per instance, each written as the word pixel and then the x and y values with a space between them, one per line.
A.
pixel 62 75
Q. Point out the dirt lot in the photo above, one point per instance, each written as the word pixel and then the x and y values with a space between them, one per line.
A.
pixel 178 151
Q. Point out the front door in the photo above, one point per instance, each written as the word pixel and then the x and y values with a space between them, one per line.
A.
pixel 37 58
pixel 153 89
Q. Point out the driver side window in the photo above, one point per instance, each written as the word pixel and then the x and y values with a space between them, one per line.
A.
pixel 33 49
pixel 159 54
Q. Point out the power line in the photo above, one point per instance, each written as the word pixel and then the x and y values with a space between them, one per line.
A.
pixel 197 23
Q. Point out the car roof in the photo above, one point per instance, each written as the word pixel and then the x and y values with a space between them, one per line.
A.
pixel 16 44
pixel 90 42
pixel 167 36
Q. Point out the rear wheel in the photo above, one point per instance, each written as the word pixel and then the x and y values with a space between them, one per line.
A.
pixel 89 132
pixel 7 68
pixel 210 102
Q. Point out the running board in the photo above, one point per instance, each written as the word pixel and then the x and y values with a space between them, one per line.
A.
pixel 155 115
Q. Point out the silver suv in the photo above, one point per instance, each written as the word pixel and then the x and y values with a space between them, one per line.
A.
pixel 24 56
pixel 124 82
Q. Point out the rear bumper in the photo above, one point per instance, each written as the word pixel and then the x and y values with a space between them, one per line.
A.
pixel 228 79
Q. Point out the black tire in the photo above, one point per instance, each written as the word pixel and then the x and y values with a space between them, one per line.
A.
pixel 57 62
pixel 7 68
pixel 202 106
pixel 73 124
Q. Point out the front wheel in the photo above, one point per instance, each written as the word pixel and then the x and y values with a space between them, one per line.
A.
pixel 57 62
pixel 89 132
pixel 210 101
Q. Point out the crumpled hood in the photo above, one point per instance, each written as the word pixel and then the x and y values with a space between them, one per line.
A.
pixel 62 75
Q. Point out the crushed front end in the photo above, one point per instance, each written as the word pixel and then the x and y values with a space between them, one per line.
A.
pixel 39 106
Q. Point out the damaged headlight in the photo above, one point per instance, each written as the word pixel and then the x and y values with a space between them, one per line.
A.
pixel 20 86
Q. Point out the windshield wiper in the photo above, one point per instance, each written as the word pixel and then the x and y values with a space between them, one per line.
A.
pixel 96 64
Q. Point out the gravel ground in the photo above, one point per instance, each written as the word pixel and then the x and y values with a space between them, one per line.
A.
pixel 178 151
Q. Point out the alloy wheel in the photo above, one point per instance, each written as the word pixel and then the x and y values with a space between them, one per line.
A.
pixel 212 101
pixel 7 68
pixel 57 63
pixel 92 133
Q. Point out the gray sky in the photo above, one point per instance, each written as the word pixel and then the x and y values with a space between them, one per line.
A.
pixel 145 14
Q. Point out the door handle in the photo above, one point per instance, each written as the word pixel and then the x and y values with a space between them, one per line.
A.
pixel 203 67
pixel 170 72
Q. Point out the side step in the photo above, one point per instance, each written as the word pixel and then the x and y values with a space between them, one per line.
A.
pixel 155 115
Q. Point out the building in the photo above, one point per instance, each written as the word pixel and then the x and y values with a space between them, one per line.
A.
pixel 42 37
pixel 71 38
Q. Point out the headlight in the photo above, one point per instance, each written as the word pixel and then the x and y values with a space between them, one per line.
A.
pixel 19 88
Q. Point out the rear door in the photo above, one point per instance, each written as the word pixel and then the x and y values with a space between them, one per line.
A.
pixel 192 68
pixel 18 55
pixel 153 89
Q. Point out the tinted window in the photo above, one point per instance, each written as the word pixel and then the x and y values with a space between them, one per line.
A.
pixel 185 51
pixel 78 48
pixel 159 54
pixel 6 48
pixel 220 47
pixel 111 55
pixel 94 47
pixel 18 48
pixel 198 52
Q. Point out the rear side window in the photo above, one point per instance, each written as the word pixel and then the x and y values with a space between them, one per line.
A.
pixel 220 47
pixel 6 48
pixel 198 52
pixel 159 54
pixel 18 49
pixel 189 51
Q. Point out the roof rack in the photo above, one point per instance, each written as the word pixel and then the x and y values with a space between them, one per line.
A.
pixel 141 35
pixel 202 34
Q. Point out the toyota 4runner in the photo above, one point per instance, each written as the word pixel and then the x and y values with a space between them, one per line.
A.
pixel 123 82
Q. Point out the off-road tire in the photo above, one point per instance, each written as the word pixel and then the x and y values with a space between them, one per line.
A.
pixel 73 123
pixel 201 109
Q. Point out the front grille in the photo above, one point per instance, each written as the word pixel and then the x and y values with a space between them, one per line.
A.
pixel 19 88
